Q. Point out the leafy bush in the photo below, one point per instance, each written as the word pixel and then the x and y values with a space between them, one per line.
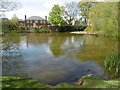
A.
pixel 40 29
pixel 67 28
pixel 79 28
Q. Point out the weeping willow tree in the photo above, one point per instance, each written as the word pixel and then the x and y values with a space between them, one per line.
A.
pixel 103 18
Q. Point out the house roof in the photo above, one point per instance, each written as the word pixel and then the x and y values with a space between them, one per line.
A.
pixel 35 18
pixel 4 18
pixel 20 20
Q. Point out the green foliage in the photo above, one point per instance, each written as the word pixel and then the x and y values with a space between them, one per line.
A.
pixel 85 8
pixel 17 82
pixel 70 13
pixel 93 82
pixel 22 28
pixel 79 28
pixel 9 26
pixel 14 19
pixel 112 63
pixel 103 18
pixel 40 29
pixel 5 24
pixel 55 16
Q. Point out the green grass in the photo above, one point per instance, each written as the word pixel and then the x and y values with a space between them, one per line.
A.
pixel 1 33
pixel 89 82
pixel 17 82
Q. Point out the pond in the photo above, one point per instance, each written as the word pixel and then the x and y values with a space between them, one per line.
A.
pixel 57 57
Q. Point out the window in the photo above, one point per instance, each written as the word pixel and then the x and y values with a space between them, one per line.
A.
pixel 40 21
pixel 21 23
pixel 36 21
pixel 27 21
pixel 44 21
pixel 31 21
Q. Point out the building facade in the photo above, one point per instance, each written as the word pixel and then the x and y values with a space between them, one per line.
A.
pixel 34 21
pixel 21 22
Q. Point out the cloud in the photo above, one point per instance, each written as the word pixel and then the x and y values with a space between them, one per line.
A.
pixel 32 0
pixel 50 3
pixel 26 11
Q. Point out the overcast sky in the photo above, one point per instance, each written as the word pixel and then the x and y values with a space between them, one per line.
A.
pixel 36 8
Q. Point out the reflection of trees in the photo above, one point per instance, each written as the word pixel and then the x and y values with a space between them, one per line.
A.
pixel 12 65
pixel 74 42
pixel 55 45
pixel 10 44
pixel 11 55
pixel 66 45
pixel 72 45
pixel 96 48
pixel 37 39
pixel 83 48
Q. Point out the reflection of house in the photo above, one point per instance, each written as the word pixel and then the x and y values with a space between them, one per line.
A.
pixel 34 21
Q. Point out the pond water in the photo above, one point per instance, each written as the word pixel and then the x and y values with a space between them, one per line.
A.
pixel 55 58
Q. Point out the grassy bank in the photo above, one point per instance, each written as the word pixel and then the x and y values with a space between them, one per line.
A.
pixel 89 82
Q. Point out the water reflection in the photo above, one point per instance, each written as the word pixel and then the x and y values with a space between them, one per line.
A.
pixel 12 60
pixel 55 58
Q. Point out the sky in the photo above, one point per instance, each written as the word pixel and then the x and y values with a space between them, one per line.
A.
pixel 36 8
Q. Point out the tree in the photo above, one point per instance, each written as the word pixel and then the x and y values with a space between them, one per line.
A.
pixel 85 8
pixel 71 12
pixel 55 16
pixel 103 18
pixel 10 25
pixel 9 5
pixel 5 24
pixel 14 19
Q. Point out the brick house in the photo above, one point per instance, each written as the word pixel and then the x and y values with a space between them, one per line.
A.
pixel 34 21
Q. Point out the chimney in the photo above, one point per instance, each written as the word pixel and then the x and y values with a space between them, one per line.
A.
pixel 25 17
pixel 46 17
pixel 25 21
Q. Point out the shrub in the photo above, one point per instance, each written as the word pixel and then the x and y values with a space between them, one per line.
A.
pixel 40 29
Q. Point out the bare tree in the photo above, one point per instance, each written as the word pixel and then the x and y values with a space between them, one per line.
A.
pixel 9 5
pixel 71 11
